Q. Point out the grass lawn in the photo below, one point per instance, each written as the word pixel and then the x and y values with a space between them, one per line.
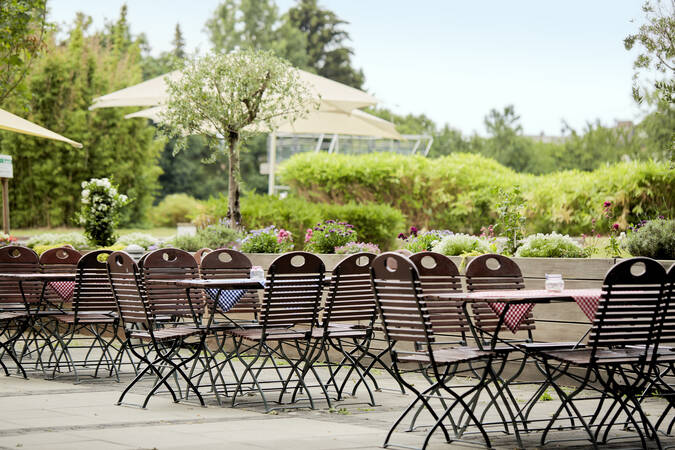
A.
pixel 160 233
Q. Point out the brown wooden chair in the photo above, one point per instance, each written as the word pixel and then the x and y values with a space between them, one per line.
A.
pixel 631 312
pixel 405 317
pixel 167 342
pixel 199 254
pixel 93 318
pixel 288 315
pixel 59 294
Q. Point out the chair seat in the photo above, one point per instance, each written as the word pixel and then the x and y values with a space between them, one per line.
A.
pixel 340 332
pixel 165 334
pixel 11 315
pixel 535 346
pixel 85 318
pixel 445 355
pixel 271 334
pixel 582 357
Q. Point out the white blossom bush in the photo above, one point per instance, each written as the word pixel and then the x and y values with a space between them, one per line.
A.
pixel 100 213
pixel 552 245
pixel 461 244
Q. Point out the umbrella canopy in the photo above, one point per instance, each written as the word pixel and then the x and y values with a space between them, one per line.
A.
pixel 11 122
pixel 356 122
pixel 153 92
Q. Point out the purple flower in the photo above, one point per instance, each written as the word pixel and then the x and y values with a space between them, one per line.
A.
pixel 413 231
pixel 402 236
pixel 607 204
pixel 615 226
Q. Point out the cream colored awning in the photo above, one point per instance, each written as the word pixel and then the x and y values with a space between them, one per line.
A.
pixel 11 122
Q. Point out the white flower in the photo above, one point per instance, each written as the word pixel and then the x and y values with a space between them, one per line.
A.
pixel 123 198
pixel 85 193
pixel 84 184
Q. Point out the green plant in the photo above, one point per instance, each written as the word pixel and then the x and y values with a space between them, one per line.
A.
pixel 459 244
pixel 510 219
pixel 654 239
pixel 552 245
pixel 141 239
pixel 175 208
pixel 267 240
pixel 324 237
pixel 357 247
pixel 77 240
pixel 100 213
pixel 213 236
pixel 425 241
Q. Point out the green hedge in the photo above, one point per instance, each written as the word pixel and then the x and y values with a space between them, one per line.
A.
pixel 374 223
pixel 458 192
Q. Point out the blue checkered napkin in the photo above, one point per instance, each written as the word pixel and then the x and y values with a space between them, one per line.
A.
pixel 227 299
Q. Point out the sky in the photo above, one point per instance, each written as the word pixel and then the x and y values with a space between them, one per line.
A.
pixel 452 60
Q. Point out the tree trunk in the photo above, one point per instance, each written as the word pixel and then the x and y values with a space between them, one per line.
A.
pixel 233 211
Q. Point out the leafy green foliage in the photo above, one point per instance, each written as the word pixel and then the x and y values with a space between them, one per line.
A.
pixel 64 81
pixel 510 220
pixel 141 239
pixel 77 240
pixel 325 236
pixel 357 247
pixel 267 240
pixel 100 213
pixel 425 241
pixel 459 244
pixel 456 192
pixel 655 239
pixel 22 25
pixel 552 245
pixel 175 208
pixel 214 237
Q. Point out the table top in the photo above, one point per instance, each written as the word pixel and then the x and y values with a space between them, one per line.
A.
pixel 516 296
pixel 38 276
pixel 225 283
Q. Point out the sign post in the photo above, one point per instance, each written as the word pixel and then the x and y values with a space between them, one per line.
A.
pixel 6 173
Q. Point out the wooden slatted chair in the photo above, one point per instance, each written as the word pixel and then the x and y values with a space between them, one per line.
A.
pixel 59 260
pixel 199 254
pixel 93 318
pixel 162 344
pixel 288 315
pixel 405 317
pixel 622 350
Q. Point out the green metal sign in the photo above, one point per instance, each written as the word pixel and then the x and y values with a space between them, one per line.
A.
pixel 6 167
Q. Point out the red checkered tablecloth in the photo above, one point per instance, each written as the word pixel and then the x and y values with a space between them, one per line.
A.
pixel 63 288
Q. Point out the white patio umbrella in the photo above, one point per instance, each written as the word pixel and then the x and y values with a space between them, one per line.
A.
pixel 12 122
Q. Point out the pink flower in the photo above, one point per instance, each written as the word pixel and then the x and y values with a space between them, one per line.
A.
pixel 308 235
pixel 413 231
pixel 607 204
pixel 283 235
pixel 615 226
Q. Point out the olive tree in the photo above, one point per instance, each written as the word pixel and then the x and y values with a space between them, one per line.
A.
pixel 229 97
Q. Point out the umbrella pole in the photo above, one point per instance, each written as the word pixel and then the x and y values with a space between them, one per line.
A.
pixel 272 164
pixel 5 205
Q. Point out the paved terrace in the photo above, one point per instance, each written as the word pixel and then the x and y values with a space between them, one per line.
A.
pixel 58 414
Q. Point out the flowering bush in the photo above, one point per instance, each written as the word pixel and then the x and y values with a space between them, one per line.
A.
pixel 552 245
pixel 324 237
pixel 460 244
pixel 100 211
pixel 6 239
pixel 357 247
pixel 141 239
pixel 267 240
pixel 422 242
pixel 75 239
pixel 654 239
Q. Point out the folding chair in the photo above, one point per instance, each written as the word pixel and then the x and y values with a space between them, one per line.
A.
pixel 92 318
pixel 162 344
pixel 631 312
pixel 59 294
pixel 287 318
pixel 405 317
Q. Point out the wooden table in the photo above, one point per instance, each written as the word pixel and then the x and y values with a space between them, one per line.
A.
pixel 224 283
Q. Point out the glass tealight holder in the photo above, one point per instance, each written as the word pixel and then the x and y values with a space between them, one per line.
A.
pixel 554 282
pixel 257 273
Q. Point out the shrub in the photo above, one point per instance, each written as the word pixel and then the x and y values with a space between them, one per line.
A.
pixel 654 239
pixel 267 240
pixel 424 242
pixel 457 191
pixel 459 244
pixel 100 213
pixel 373 222
pixel 6 239
pixel 175 208
pixel 213 236
pixel 552 245
pixel 141 239
pixel 357 247
pixel 324 237
pixel 77 240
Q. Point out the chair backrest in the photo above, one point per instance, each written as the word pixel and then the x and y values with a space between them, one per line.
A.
pixel 17 259
pixel 199 254
pixel 58 260
pixel 494 272
pixel 225 263
pixel 170 300
pixel 126 286
pixel 93 292
pixel 398 295
pixel 439 275
pixel 350 294
pixel 293 290
pixel 668 333
pixel 631 307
